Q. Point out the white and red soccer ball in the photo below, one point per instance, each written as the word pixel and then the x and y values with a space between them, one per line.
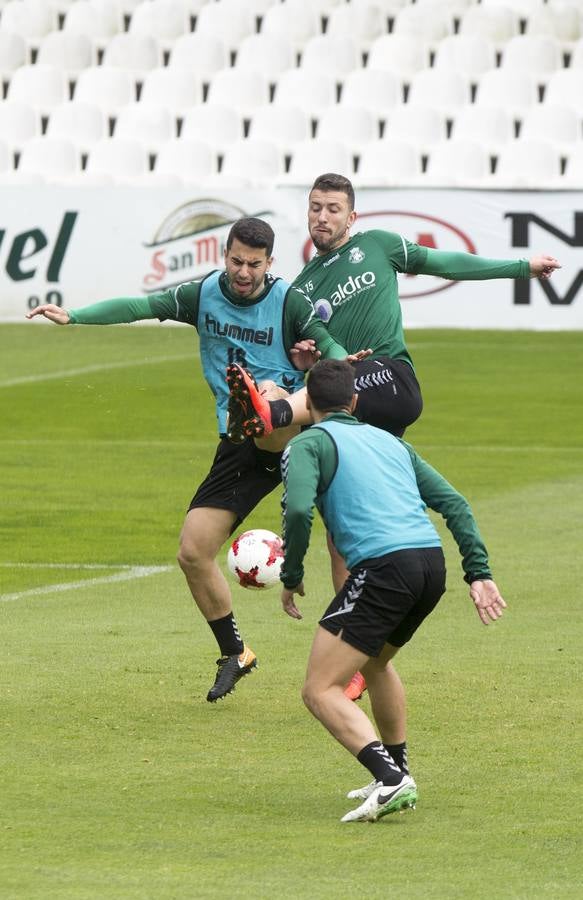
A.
pixel 255 557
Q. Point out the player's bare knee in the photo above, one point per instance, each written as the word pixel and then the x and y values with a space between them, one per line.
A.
pixel 189 556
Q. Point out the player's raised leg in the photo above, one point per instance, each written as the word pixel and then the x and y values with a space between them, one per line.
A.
pixel 204 532
pixel 252 413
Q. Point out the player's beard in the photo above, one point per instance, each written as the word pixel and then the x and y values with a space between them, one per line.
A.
pixel 330 241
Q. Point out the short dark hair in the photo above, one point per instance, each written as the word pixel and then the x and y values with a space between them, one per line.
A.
pixel 253 233
pixel 332 182
pixel 331 384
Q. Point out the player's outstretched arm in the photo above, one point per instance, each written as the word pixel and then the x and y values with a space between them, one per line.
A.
pixel 288 602
pixel 52 312
pixel 487 599
pixel 543 266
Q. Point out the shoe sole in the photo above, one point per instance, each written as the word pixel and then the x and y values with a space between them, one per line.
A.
pixel 246 671
pixel 406 800
pixel 253 426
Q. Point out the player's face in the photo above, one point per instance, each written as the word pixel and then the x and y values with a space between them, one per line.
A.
pixel 330 219
pixel 246 268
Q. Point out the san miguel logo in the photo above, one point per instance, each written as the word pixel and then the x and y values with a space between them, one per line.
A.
pixel 428 231
pixel 190 243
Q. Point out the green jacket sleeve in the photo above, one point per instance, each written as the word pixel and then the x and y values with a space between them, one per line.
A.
pixel 469 267
pixel 179 304
pixel 302 323
pixel 301 467
pixel 439 495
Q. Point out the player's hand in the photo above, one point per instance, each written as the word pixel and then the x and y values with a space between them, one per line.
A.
pixel 304 354
pixel 287 600
pixel 487 600
pixel 52 312
pixel 543 266
pixel 356 357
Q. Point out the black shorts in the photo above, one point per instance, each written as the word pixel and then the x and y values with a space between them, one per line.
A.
pixel 241 475
pixel 389 395
pixel 384 600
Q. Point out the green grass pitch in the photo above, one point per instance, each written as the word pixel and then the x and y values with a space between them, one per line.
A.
pixel 118 780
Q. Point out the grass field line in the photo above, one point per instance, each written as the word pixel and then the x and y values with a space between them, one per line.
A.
pixel 128 573
pixel 96 367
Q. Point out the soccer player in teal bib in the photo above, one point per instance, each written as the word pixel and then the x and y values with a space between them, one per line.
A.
pixel 352 283
pixel 244 314
pixel 372 491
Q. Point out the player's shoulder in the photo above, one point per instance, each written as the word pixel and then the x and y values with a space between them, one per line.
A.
pixel 383 238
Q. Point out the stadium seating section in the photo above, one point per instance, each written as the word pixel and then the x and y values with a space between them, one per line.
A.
pixel 436 93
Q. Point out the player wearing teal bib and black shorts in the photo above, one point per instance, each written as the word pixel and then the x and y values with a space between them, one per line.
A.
pixel 372 490
pixel 240 314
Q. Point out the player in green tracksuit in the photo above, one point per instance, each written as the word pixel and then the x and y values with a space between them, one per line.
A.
pixel 352 283
pixel 240 314
pixel 372 490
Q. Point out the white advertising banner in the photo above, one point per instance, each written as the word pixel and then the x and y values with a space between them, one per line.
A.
pixel 74 247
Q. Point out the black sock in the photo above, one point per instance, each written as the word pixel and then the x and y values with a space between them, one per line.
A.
pixel 380 763
pixel 227 635
pixel 281 413
pixel 399 754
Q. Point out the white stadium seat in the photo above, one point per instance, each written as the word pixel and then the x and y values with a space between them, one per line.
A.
pixel 256 162
pixel 302 87
pixel 55 159
pixel 266 53
pixel 298 24
pixel 31 19
pixel 178 89
pixel 151 125
pixel 522 8
pixel 388 163
pixel 457 163
pixel 13 53
pixel 68 51
pixel 573 175
pixel 218 125
pixel 373 89
pixel 107 87
pixel 191 161
pixel 81 123
pixel 230 22
pixel 537 54
pixel 492 126
pixel 164 20
pixel 497 24
pixel 246 89
pixel 402 54
pixel 468 54
pixel 422 126
pixel 513 90
pixel 363 126
pixel 98 21
pixel 428 26
pixel 363 22
pixel 40 86
pixel 201 54
pixel 559 125
pixel 560 18
pixel 565 87
pixel 311 158
pixel 444 89
pixel 335 55
pixel 19 122
pixel 138 53
pixel 528 164
pixel 120 158
pixel 285 125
